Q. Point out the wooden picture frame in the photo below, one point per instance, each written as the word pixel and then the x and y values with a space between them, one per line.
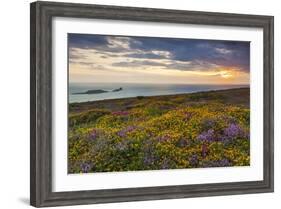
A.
pixel 41 92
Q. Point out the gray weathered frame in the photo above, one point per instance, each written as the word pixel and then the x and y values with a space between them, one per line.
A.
pixel 41 16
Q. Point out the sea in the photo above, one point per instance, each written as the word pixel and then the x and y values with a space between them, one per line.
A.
pixel 136 89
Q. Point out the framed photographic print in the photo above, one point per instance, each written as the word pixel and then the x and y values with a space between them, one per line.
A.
pixel 131 104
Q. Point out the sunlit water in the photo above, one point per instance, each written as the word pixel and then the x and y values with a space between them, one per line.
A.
pixel 133 90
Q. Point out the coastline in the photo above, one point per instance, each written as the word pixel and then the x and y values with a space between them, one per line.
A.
pixel 79 93
pixel 223 94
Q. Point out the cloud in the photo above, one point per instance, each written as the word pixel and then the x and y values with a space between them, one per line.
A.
pixel 189 66
pixel 155 54
pixel 74 54
pixel 223 51
pixel 145 55
pixel 114 53
pixel 118 42
pixel 195 65
pixel 139 63
pixel 100 42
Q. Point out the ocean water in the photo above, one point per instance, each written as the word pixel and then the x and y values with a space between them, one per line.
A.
pixel 134 90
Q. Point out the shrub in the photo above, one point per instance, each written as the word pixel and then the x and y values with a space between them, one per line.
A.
pixel 86 117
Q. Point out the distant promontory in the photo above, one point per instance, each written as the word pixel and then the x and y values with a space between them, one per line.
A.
pixel 98 91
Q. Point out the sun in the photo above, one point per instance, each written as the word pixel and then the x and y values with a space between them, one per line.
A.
pixel 226 74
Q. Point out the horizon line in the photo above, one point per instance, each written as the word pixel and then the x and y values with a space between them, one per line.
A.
pixel 157 83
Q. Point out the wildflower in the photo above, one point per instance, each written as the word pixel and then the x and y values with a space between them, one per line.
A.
pixel 121 146
pixel 148 159
pixel 187 116
pixel 85 167
pixel 208 123
pixel 165 164
pixel 204 150
pixel 163 138
pixel 120 113
pixel 217 163
pixel 123 132
pixel 224 162
pixel 233 130
pixel 94 134
pixel 182 143
pixel 194 160
pixel 207 136
pixel 130 128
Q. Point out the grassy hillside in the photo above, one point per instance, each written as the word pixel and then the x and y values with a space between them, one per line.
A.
pixel 206 129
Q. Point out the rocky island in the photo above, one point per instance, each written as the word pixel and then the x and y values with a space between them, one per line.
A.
pixel 119 89
pixel 99 91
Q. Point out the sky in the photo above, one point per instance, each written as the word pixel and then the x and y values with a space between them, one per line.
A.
pixel 122 59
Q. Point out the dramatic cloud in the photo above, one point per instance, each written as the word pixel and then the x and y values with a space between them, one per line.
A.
pixel 137 63
pixel 223 51
pixel 118 55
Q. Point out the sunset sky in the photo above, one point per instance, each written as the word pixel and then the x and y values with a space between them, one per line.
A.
pixel 117 59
